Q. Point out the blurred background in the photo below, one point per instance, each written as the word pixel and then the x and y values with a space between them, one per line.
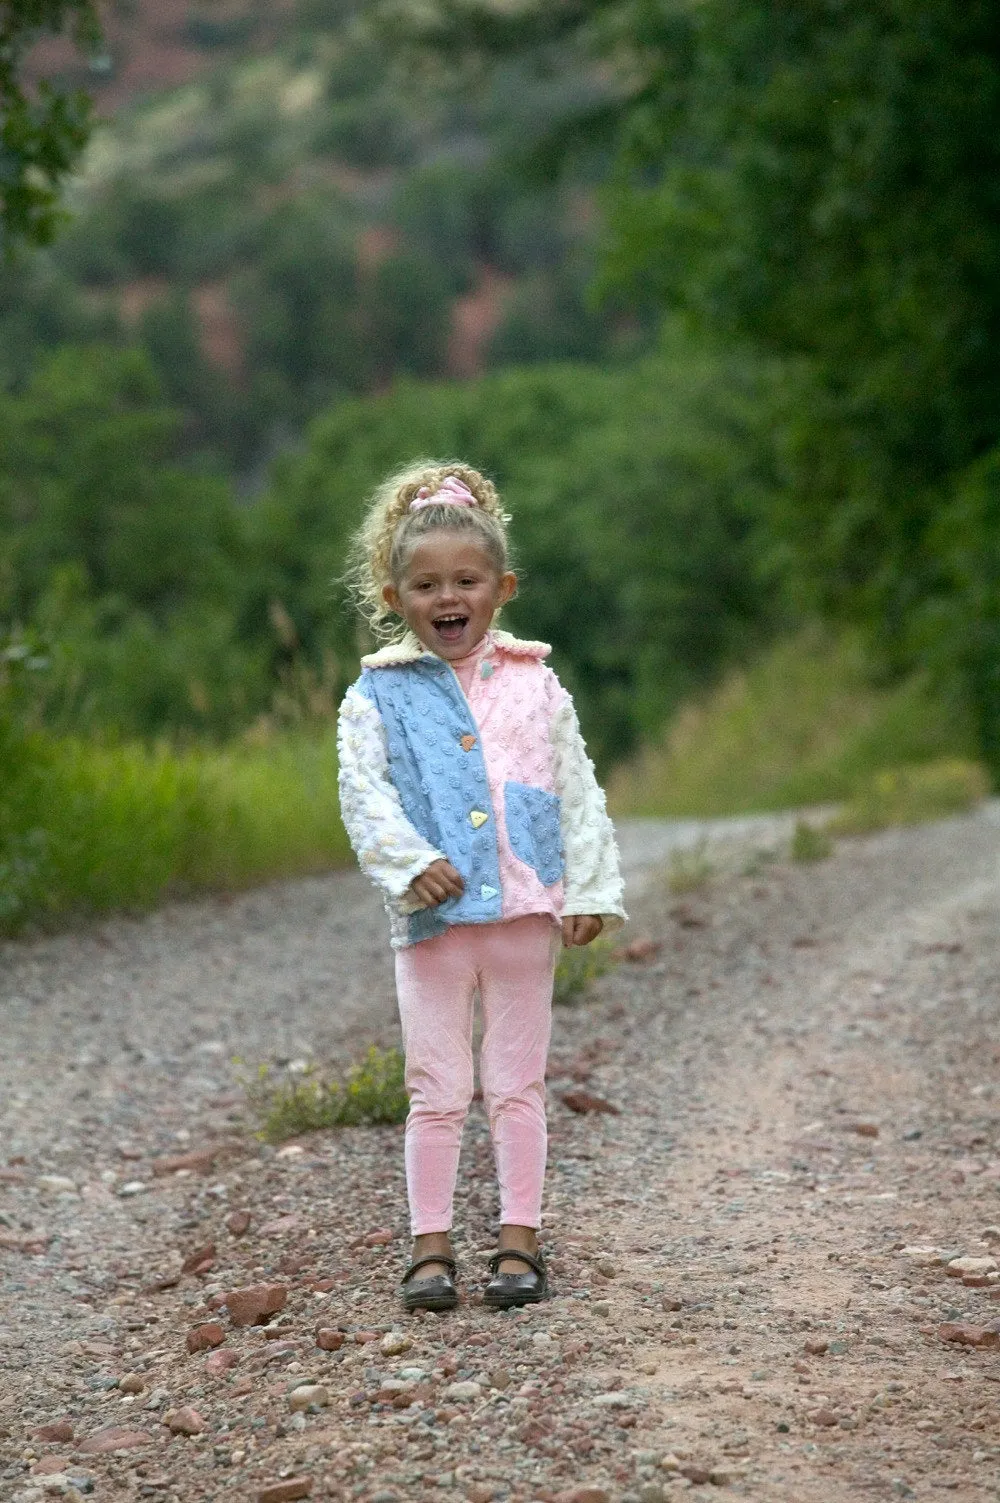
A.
pixel 710 289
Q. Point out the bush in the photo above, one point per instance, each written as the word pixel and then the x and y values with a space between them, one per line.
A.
pixel 372 1093
pixel 913 795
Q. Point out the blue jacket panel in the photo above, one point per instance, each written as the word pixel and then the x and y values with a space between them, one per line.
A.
pixel 443 786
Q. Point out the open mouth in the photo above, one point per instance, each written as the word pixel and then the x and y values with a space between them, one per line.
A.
pixel 450 628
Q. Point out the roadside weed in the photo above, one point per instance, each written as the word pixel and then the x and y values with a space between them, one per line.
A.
pixel 689 869
pixel 810 842
pixel 912 795
pixel 370 1094
pixel 578 968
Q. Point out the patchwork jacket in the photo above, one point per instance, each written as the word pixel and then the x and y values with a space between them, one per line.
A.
pixel 497 781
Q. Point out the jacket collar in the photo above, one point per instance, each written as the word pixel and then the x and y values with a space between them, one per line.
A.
pixel 410 650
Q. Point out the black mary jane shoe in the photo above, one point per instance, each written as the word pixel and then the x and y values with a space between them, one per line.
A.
pixel 507 1290
pixel 437 1293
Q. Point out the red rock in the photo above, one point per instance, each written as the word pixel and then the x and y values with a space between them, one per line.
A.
pixel 208 1334
pixel 582 1102
pixel 217 1364
pixel 184 1421
pixel 255 1304
pixel 639 950
pixel 534 1432
pixel 815 1346
pixel 50 1464
pixel 380 1238
pixel 165 1281
pixel 192 1263
pixel 281 1225
pixel 199 1159
pixel 322 1286
pixel 865 1129
pixel 58 1430
pixel 976 1281
pixel 114 1438
pixel 286 1491
pixel 364 1337
pixel 238 1223
pixel 13 1177
pixel 825 1417
pixel 696 1474
pixel 480 1492
pixel 329 1340
pixel 589 1495
pixel 968 1335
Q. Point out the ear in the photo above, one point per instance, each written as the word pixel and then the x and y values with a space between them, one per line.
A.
pixel 506 588
pixel 391 597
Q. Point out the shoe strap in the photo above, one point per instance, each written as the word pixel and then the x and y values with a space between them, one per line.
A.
pixel 532 1262
pixel 415 1267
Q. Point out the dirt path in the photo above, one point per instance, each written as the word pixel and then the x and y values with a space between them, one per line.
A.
pixel 806 1077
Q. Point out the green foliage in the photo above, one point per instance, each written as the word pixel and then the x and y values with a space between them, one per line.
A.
pixel 86 828
pixel 373 1093
pixel 806 724
pixel 810 842
pixel 912 795
pixel 42 132
pixel 690 868
pixel 577 968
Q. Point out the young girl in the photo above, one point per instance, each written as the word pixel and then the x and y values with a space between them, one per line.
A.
pixel 469 799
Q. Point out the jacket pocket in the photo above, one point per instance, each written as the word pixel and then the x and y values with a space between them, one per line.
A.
pixel 533 829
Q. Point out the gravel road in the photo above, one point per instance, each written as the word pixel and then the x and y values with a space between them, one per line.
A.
pixel 749 1256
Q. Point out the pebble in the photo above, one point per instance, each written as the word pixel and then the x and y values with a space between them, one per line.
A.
pixel 287 1491
pixel 607 1268
pixel 969 1335
pixel 329 1340
pixel 308 1394
pixel 959 1266
pixel 815 1346
pixel 200 1338
pixel 238 1223
pixel 395 1343
pixel 255 1304
pixel 184 1421
pixel 57 1431
pixel 56 1184
pixel 114 1438
pixel 463 1392
pixel 220 1362
pixel 824 1417
pixel 132 1383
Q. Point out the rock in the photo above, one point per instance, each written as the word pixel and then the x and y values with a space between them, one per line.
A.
pixel 308 1394
pixel 281 1225
pixel 924 1257
pixel 328 1339
pixel 198 1159
pixel 114 1438
pixel 132 1383
pixel 607 1268
pixel 56 1184
pixel 670 1302
pixel 990 1234
pixel 208 1334
pixel 652 1492
pixel 824 1417
pixel 582 1102
pixel 865 1129
pixel 463 1392
pixel 381 1237
pixel 57 1431
pixel 286 1491
pixel 238 1223
pixel 480 1492
pixel 184 1421
pixel 50 1465
pixel 500 1379
pixel 958 1267
pixel 815 1346
pixel 395 1343
pixel 588 1495
pixel 699 1475
pixel 638 950
pixel 200 1260
pixel 255 1304
pixel 217 1364
pixel 969 1335
pixel 133 1187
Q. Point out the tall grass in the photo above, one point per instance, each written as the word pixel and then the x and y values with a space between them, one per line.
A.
pixel 86 828
pixel 808 724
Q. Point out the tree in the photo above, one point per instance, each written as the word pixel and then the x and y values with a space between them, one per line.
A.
pixel 42 133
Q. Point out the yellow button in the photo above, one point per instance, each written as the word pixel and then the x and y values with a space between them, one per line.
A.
pixel 467 743
pixel 478 818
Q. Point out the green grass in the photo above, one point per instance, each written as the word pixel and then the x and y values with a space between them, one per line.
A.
pixel 810 842
pixel 912 795
pixel 371 1093
pixel 807 724
pixel 578 967
pixel 689 869
pixel 87 828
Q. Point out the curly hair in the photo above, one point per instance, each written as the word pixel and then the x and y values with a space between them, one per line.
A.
pixel 381 548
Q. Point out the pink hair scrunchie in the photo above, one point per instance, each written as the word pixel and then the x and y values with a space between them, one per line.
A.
pixel 451 492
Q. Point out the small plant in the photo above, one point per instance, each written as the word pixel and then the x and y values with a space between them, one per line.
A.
pixel 578 968
pixel 758 861
pixel 371 1094
pixel 912 795
pixel 810 842
pixel 689 868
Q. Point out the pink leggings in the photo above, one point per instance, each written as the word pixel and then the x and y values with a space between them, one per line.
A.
pixel 511 965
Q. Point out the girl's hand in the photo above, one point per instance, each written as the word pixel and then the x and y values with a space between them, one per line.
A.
pixel 580 929
pixel 438 883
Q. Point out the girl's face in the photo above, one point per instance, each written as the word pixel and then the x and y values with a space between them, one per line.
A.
pixel 449 593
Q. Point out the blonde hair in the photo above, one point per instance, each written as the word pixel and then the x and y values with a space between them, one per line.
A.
pixel 383 544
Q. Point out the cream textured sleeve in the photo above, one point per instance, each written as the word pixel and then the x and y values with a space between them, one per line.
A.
pixel 390 851
pixel 593 879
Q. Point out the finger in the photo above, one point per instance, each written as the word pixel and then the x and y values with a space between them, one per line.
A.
pixel 567 933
